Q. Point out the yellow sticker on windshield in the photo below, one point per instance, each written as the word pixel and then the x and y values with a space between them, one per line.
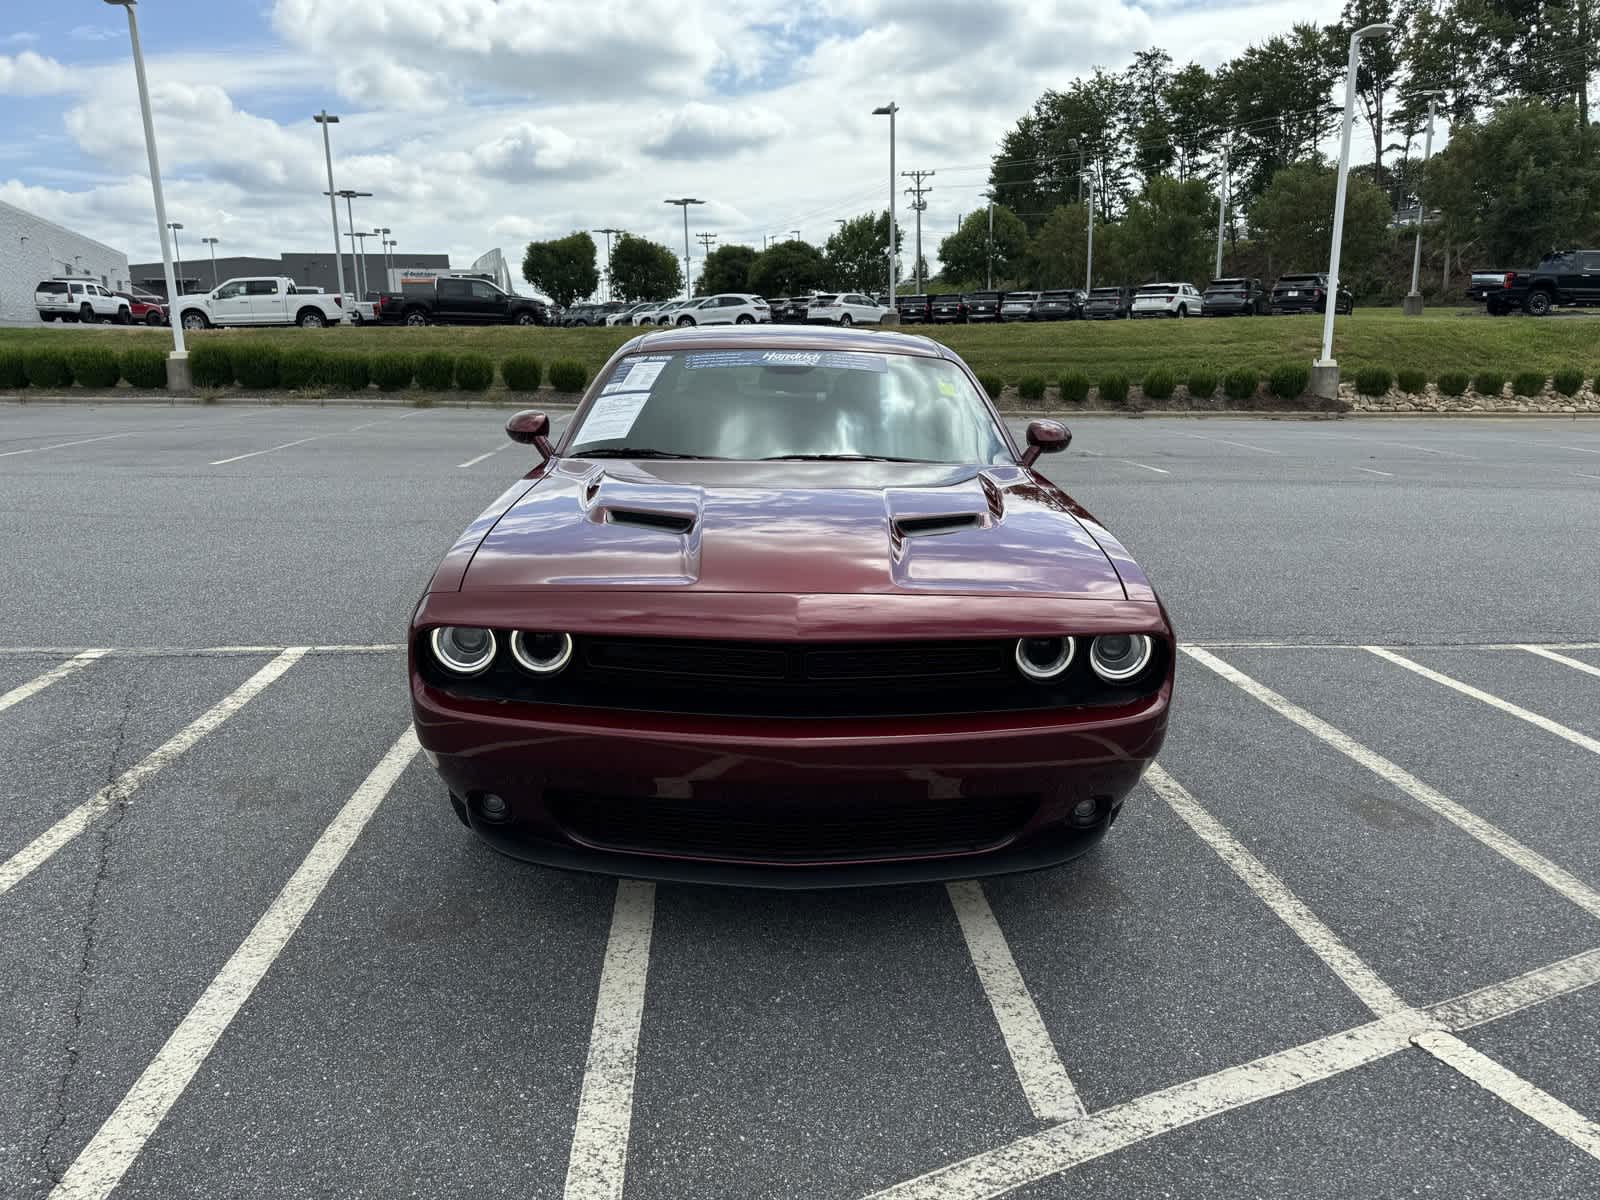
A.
pixel 947 387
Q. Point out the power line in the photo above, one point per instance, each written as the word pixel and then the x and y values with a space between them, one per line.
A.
pixel 917 191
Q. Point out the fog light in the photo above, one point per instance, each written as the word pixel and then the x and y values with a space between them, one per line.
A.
pixel 1043 658
pixel 1118 657
pixel 1086 812
pixel 463 649
pixel 492 806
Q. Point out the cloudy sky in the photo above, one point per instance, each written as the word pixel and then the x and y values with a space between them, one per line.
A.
pixel 483 123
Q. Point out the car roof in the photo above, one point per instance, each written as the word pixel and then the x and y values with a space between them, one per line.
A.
pixel 784 337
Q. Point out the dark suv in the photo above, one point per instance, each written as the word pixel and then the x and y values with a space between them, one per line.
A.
pixel 984 306
pixel 1307 293
pixel 1108 304
pixel 1234 298
pixel 1063 304
pixel 948 309
pixel 913 310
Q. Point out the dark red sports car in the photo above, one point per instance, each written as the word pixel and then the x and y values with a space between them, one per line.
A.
pixel 787 606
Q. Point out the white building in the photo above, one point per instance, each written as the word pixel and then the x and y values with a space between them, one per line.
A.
pixel 32 249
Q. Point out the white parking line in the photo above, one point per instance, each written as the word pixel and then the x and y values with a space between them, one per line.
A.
pixel 1583 740
pixel 1224 441
pixel 1575 664
pixel 1428 450
pixel 1044 1079
pixel 1108 458
pixel 1512 995
pixel 1556 878
pixel 39 851
pixel 255 453
pixel 1370 471
pixel 599 1157
pixel 38 684
pixel 1581 475
pixel 105 437
pixel 472 462
pixel 95 1173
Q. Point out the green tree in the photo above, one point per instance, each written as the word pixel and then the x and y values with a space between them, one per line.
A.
pixel 1379 63
pixel 968 254
pixel 857 253
pixel 1294 217
pixel 790 268
pixel 726 269
pixel 644 270
pixel 1068 132
pixel 1168 231
pixel 563 269
pixel 1057 252
pixel 1195 113
pixel 1276 97
pixel 1146 115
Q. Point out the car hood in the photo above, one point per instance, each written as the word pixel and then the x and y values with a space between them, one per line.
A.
pixel 818 528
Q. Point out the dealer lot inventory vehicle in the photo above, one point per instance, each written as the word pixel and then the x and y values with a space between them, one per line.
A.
pixel 144 308
pixel 259 300
pixel 948 309
pixel 1307 293
pixel 789 608
pixel 1018 306
pixel 984 306
pixel 1234 297
pixel 846 308
pixel 460 300
pixel 1166 300
pixel 665 314
pixel 1060 304
pixel 726 308
pixel 80 300
pixel 914 309
pixel 1107 304
pixel 1567 277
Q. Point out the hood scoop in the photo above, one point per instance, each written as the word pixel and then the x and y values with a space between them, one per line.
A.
pixel 644 519
pixel 942 523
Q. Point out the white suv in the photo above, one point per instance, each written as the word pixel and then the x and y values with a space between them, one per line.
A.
pixel 1167 300
pixel 846 308
pixel 728 308
pixel 80 300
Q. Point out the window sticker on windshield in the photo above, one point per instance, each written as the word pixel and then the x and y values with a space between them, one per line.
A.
pixel 845 359
pixel 612 417
pixel 636 375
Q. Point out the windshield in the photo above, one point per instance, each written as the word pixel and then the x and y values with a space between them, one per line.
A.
pixel 1226 283
pixel 777 403
pixel 1300 281
pixel 1158 291
pixel 1106 294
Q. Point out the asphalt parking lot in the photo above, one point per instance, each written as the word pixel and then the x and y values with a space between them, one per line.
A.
pixel 1341 943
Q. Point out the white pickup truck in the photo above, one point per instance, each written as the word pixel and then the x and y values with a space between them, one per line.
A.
pixel 260 300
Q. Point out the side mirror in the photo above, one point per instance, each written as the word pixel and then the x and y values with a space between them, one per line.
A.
pixel 1045 437
pixel 531 429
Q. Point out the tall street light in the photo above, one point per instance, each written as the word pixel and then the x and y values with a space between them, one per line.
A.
pixel 325 119
pixel 383 235
pixel 684 202
pixel 1222 205
pixel 212 242
pixel 892 317
pixel 350 211
pixel 178 364
pixel 1088 267
pixel 1412 305
pixel 608 232
pixel 1325 371
pixel 175 226
pixel 361 259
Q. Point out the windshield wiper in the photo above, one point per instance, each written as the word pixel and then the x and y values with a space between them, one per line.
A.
pixel 632 452
pixel 839 458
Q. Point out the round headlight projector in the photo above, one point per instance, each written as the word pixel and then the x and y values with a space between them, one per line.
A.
pixel 541 653
pixel 464 649
pixel 1043 658
pixel 1118 657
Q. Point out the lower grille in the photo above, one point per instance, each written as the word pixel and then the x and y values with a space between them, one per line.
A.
pixel 793 832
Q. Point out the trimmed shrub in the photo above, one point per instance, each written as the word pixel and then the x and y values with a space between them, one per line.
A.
pixel 436 371
pixel 1031 387
pixel 255 364
pixel 48 368
pixel 992 383
pixel 95 366
pixel 1288 381
pixel 13 369
pixel 1374 381
pixel 522 372
pixel 474 372
pixel 144 368
pixel 350 372
pixel 1568 381
pixel 1074 387
pixel 302 367
pixel 1453 383
pixel 1241 384
pixel 393 370
pixel 567 376
pixel 1202 383
pixel 1489 383
pixel 1528 383
pixel 1114 390
pixel 1411 379
pixel 1159 384
pixel 211 364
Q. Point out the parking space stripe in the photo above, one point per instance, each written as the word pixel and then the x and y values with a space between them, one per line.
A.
pixel 472 462
pixel 1560 1119
pixel 1575 664
pixel 54 675
pixel 103 1162
pixel 1559 880
pixel 1354 973
pixel 1523 991
pixel 1583 740
pixel 1371 471
pixel 1127 461
pixel 255 453
pixel 1044 1079
pixel 599 1158
pixel 1224 441
pixel 39 851
pixel 105 437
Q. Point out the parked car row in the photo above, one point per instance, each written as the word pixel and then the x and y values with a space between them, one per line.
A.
pixel 79 300
pixel 1221 298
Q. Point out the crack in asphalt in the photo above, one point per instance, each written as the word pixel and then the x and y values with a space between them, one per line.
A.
pixel 105 833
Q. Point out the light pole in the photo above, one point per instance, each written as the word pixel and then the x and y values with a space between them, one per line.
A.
pixel 684 202
pixel 1412 306
pixel 1088 269
pixel 1325 371
pixel 383 253
pixel 608 232
pixel 1222 206
pixel 796 234
pixel 988 252
pixel 177 249
pixel 350 211
pixel 212 242
pixel 361 263
pixel 178 363
pixel 892 317
pixel 325 119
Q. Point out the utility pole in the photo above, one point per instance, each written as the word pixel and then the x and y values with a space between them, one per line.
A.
pixel 917 191
pixel 705 240
pixel 1222 204
pixel 1412 305
pixel 608 233
pixel 988 255
pixel 1088 270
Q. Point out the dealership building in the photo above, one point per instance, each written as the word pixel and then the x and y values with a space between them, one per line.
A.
pixel 33 249
pixel 307 270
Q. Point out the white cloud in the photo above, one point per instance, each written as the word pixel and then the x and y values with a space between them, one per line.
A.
pixel 704 131
pixel 95 33
pixel 19 39
pixel 30 74
pixel 528 153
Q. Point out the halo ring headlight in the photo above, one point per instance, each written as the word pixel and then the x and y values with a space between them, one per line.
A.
pixel 541 653
pixel 463 649
pixel 1118 657
pixel 1044 658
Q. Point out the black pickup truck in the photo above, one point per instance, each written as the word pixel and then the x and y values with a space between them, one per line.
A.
pixel 459 300
pixel 1565 277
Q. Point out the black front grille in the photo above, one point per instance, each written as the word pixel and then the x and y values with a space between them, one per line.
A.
pixel 831 830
